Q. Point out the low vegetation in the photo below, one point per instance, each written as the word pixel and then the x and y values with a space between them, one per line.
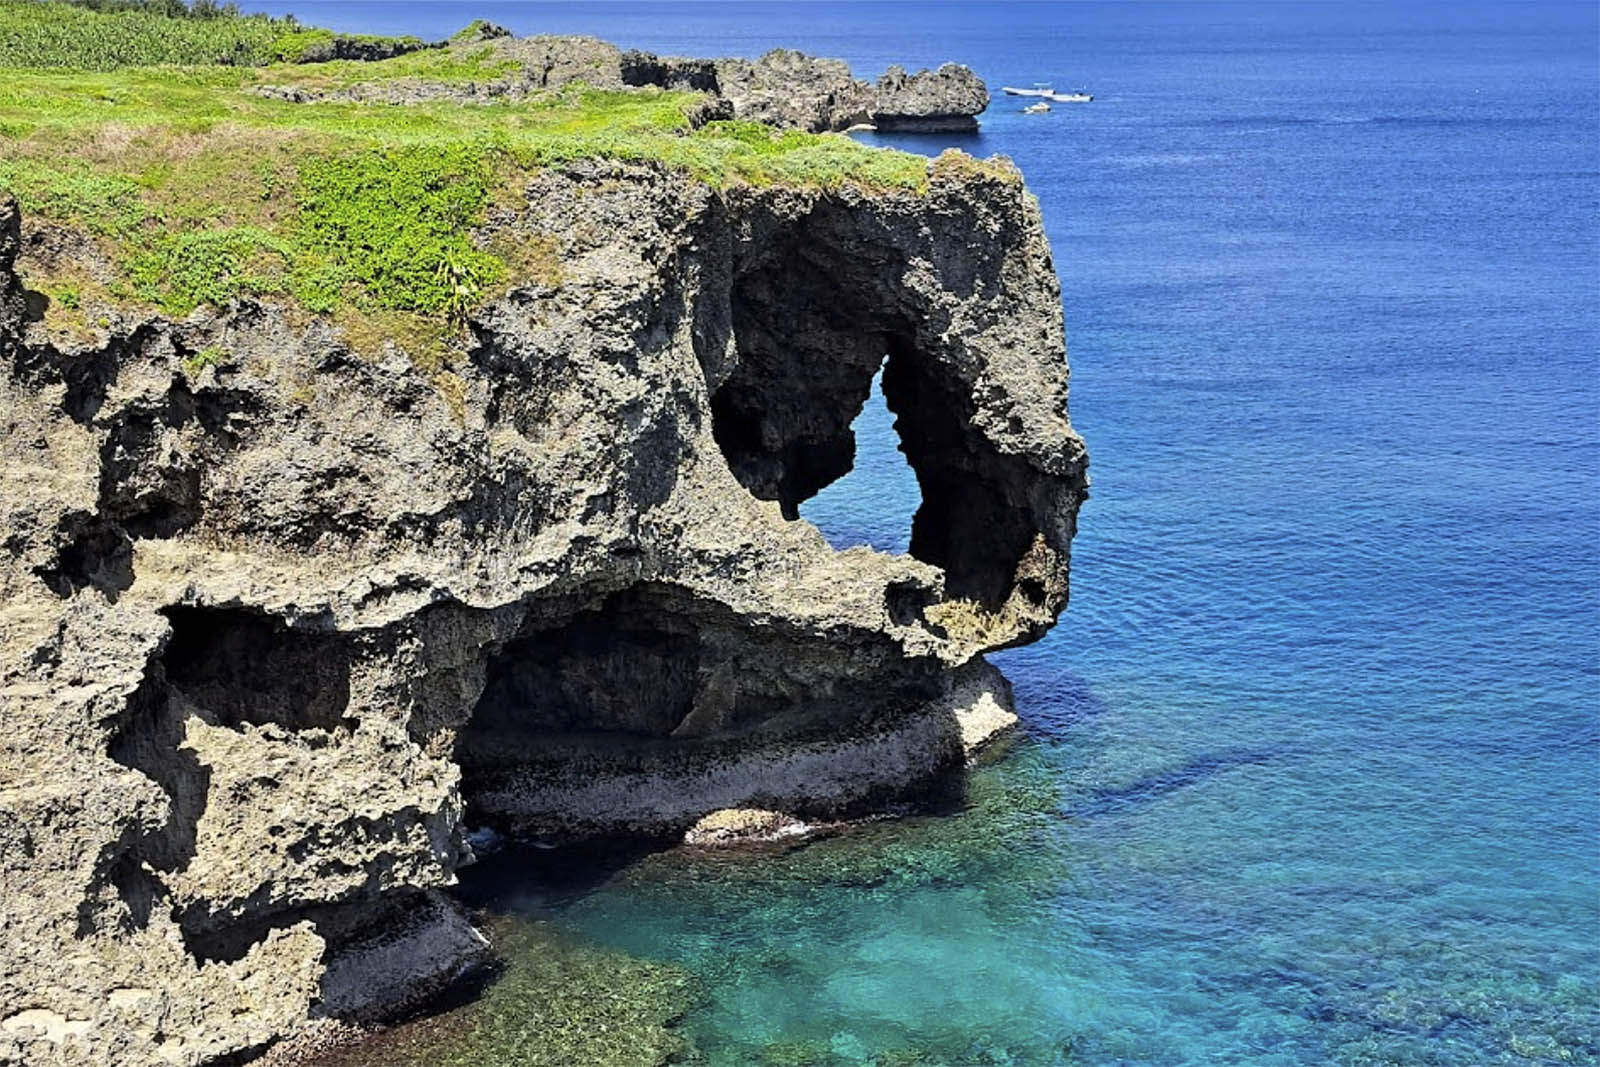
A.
pixel 198 183
pixel 114 34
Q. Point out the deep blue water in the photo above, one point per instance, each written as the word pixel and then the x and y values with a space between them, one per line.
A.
pixel 1311 769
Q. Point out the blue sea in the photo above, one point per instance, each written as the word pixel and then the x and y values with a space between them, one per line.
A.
pixel 1310 770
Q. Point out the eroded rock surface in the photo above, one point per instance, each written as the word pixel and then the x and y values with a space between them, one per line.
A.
pixel 783 88
pixel 275 630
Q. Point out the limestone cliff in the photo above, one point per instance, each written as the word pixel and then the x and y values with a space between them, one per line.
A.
pixel 277 623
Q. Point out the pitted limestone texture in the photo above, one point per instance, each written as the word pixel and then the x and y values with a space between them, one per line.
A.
pixel 275 629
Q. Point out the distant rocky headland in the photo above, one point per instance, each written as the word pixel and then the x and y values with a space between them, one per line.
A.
pixel 782 88
pixel 409 442
pixel 788 88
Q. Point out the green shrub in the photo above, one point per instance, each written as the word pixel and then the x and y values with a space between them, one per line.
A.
pixel 115 34
pixel 186 269
pixel 209 356
pixel 76 194
pixel 41 34
pixel 296 45
pixel 395 222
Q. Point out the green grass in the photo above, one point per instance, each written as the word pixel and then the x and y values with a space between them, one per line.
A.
pixel 200 190
pixel 53 35
pixel 210 356
pixel 40 34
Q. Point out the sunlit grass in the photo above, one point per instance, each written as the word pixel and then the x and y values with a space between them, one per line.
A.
pixel 201 189
pixel 36 33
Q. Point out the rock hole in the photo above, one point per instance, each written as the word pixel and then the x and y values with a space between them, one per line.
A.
pixel 150 740
pixel 232 943
pixel 244 667
pixel 811 324
pixel 138 889
pixel 147 486
pixel 873 503
pixel 906 601
pixel 971 524
pixel 97 556
pixel 616 669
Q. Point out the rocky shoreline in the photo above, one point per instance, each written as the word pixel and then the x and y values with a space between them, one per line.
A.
pixel 279 620
pixel 783 88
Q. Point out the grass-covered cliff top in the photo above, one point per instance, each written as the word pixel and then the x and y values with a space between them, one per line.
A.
pixel 192 186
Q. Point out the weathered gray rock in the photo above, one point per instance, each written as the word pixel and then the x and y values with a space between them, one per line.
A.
pixel 789 88
pixel 945 99
pixel 743 826
pixel 12 303
pixel 363 49
pixel 783 88
pixel 272 633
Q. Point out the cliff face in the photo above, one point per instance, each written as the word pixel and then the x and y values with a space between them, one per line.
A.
pixel 278 621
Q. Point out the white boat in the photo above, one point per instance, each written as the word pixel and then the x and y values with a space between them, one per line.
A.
pixel 1036 109
pixel 1041 89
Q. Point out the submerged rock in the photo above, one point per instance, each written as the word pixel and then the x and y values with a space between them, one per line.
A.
pixel 276 625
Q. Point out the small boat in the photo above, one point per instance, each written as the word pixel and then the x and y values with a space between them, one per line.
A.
pixel 1039 89
pixel 1036 109
pixel 1077 96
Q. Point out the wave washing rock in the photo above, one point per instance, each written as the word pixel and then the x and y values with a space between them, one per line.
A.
pixel 276 628
pixel 782 88
pixel 741 826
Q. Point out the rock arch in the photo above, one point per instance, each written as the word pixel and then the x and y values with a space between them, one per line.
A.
pixel 822 295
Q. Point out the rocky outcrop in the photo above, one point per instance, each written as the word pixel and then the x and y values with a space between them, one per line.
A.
pixel 789 88
pixel 275 627
pixel 743 826
pixel 363 49
pixel 783 88
pixel 949 98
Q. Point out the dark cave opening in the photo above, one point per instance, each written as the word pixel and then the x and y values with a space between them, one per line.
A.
pixel 968 524
pixel 609 670
pixel 246 667
pixel 655 682
pixel 805 369
pixel 622 675
pixel 99 555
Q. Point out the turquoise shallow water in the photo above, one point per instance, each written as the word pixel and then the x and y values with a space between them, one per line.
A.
pixel 1309 769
